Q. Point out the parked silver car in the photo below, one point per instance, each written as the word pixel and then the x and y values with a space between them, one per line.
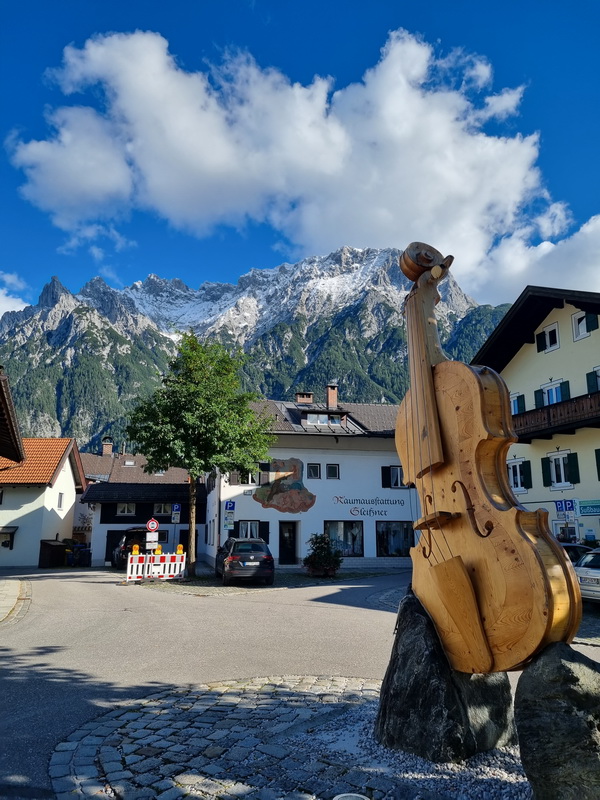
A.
pixel 587 570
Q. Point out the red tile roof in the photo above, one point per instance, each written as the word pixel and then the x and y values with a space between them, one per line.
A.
pixel 43 457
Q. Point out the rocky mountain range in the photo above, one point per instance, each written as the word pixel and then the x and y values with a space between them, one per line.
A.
pixel 79 363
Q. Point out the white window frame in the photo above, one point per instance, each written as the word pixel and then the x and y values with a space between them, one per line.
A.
pixel 162 509
pixel 396 477
pixel 547 331
pixel 515 475
pixel 60 501
pixel 125 509
pixel 560 457
pixel 549 391
pixel 312 466
pixel 335 468
pixel 578 322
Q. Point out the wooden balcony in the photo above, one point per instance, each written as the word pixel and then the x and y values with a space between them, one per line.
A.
pixel 565 417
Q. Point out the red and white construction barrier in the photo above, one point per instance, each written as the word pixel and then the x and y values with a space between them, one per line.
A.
pixel 155 567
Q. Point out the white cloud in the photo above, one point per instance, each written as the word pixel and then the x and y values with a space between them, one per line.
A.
pixel 402 155
pixel 13 283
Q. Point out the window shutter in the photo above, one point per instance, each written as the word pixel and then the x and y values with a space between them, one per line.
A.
pixel 520 404
pixel 386 478
pixel 236 530
pixel 573 468
pixel 540 341
pixel 546 476
pixel 593 384
pixel 263 531
pixel 234 478
pixel 402 476
pixel 591 322
pixel 598 463
pixel 526 472
pixel 565 391
pixel 539 398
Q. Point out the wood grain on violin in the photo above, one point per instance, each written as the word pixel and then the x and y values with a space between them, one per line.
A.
pixel 497 585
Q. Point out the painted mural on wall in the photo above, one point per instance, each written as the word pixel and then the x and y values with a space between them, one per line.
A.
pixel 285 492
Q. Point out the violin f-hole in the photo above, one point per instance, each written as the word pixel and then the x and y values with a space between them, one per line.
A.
pixel 469 508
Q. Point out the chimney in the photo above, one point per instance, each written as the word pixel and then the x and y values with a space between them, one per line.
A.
pixel 107 446
pixel 304 398
pixel 332 395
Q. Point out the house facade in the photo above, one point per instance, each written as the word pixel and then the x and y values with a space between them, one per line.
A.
pixel 547 349
pixel 333 468
pixel 121 495
pixel 37 502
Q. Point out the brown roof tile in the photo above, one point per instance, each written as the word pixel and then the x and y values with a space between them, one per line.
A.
pixel 42 460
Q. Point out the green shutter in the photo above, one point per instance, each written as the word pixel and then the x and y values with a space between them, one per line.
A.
pixel 591 322
pixel 546 476
pixel 520 404
pixel 539 398
pixel 565 391
pixel 526 474
pixel 540 341
pixel 593 384
pixel 598 463
pixel 573 468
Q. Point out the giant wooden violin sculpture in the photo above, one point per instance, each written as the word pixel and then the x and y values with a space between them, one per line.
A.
pixel 496 584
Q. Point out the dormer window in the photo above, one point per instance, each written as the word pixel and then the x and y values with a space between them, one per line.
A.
pixel 130 463
pixel 323 419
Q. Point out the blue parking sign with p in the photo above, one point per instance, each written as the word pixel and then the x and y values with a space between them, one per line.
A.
pixel 230 505
pixel 175 507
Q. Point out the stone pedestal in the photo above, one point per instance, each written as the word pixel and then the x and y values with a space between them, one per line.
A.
pixel 428 709
pixel 557 712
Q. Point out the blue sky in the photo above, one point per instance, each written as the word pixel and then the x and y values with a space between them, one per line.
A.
pixel 198 139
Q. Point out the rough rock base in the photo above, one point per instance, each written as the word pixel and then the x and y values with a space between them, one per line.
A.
pixel 557 711
pixel 427 708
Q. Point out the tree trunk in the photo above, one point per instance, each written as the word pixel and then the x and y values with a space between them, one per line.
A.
pixel 191 559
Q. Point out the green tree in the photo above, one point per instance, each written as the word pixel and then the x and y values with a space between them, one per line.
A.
pixel 200 420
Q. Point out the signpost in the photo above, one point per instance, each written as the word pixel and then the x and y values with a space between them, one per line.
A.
pixel 152 536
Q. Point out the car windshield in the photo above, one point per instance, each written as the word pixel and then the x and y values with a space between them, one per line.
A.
pixel 249 547
pixel 590 560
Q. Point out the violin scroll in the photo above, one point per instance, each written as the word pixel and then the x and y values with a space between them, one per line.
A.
pixel 419 257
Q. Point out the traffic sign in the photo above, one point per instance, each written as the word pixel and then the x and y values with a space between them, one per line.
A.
pixel 176 508
pixel 175 517
pixel 230 505
pixel 152 524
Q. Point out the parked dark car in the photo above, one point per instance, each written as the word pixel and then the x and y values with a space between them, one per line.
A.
pixel 126 542
pixel 245 558
pixel 575 551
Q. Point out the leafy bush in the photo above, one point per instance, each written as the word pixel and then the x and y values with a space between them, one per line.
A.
pixel 322 559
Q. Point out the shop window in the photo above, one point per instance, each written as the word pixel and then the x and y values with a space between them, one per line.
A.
pixel 346 536
pixel 394 538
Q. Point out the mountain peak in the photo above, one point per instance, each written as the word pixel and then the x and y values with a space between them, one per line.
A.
pixel 52 293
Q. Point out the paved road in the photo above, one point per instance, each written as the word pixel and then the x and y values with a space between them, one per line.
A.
pixel 81 644
pixel 85 642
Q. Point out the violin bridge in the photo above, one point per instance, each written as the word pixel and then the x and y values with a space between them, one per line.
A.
pixel 435 520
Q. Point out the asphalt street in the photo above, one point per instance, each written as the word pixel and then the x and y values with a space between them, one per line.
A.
pixel 84 643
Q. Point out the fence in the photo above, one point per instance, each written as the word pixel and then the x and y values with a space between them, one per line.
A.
pixel 155 567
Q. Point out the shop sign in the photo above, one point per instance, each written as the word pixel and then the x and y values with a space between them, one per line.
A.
pixel 368 506
pixel 589 508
